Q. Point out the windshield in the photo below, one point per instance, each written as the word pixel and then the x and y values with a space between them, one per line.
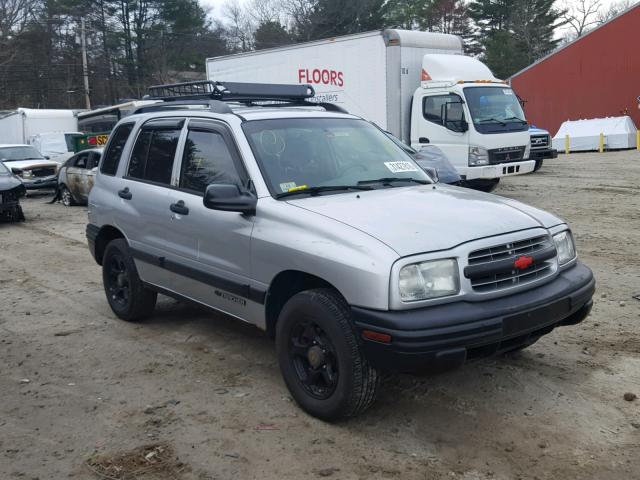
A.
pixel 3 170
pixel 302 154
pixel 495 109
pixel 10 154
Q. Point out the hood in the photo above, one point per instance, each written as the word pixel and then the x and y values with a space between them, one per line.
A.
pixel 419 219
pixel 29 164
pixel 7 182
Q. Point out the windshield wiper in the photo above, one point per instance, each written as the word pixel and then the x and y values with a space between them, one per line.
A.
pixel 491 120
pixel 327 188
pixel 388 181
pixel 515 118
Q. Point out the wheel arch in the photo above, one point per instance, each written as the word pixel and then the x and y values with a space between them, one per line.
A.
pixel 106 234
pixel 284 286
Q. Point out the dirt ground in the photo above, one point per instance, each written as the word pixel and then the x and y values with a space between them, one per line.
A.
pixel 80 390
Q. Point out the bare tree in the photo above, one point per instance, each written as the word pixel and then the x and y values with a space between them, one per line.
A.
pixel 581 16
pixel 14 15
pixel 614 10
pixel 239 25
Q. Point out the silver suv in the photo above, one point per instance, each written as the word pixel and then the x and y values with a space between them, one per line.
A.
pixel 313 225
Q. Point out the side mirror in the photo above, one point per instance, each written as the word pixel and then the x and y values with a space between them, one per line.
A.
pixel 47 157
pixel 454 117
pixel 229 198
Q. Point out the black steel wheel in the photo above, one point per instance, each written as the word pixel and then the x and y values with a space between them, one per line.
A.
pixel 321 357
pixel 127 295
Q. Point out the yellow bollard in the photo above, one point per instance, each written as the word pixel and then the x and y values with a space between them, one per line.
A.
pixel 601 146
pixel 638 139
pixel 566 144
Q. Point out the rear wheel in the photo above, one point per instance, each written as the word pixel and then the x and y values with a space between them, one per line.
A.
pixel 321 358
pixel 65 197
pixel 484 185
pixel 127 296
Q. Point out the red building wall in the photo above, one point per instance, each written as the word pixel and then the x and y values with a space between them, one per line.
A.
pixel 596 76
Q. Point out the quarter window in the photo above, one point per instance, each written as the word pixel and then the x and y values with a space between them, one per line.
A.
pixel 153 154
pixel 112 156
pixel 206 160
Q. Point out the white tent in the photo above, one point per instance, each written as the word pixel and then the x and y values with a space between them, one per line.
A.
pixel 584 135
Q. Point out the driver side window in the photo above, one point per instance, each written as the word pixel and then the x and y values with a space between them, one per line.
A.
pixel 433 108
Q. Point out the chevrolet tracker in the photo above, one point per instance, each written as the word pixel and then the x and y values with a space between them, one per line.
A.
pixel 314 225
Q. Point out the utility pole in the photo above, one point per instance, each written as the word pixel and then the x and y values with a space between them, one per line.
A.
pixel 85 68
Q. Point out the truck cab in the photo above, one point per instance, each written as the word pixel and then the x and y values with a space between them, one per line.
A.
pixel 475 118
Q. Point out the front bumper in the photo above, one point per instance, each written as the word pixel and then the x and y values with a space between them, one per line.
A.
pixel 41 183
pixel 445 336
pixel 497 171
pixel 543 154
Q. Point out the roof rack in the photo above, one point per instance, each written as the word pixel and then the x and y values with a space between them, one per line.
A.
pixel 213 95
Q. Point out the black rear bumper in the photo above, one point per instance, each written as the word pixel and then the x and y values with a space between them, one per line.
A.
pixel 445 336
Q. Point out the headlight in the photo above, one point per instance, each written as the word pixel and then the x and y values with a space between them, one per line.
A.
pixel 433 279
pixel 26 174
pixel 565 247
pixel 478 156
pixel 527 150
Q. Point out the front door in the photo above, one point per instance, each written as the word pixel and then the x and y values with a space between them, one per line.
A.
pixel 219 275
pixel 435 130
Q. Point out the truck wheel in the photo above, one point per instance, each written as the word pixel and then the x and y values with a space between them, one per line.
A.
pixel 321 358
pixel 129 299
pixel 484 185
pixel 65 197
pixel 538 165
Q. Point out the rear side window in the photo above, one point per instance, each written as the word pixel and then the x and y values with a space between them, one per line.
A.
pixel 113 153
pixel 153 154
pixel 206 160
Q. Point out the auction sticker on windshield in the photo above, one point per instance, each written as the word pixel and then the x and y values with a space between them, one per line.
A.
pixel 399 167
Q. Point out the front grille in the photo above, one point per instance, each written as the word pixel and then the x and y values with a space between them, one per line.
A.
pixel 506 155
pixel 492 269
pixel 539 142
pixel 43 171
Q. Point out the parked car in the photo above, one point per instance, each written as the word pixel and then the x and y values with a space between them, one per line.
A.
pixel 35 171
pixel 11 189
pixel 541 146
pixel 76 177
pixel 433 161
pixel 313 225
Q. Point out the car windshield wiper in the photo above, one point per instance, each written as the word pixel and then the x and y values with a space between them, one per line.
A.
pixel 389 180
pixel 515 118
pixel 312 191
pixel 491 120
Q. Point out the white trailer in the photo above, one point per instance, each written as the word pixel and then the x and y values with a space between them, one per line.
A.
pixel 400 79
pixel 48 130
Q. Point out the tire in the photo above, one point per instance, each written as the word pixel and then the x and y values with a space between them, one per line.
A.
pixel 66 197
pixel 316 341
pixel 129 299
pixel 484 185
pixel 538 165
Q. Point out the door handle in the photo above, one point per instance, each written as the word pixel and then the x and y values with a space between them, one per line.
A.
pixel 125 193
pixel 423 140
pixel 179 208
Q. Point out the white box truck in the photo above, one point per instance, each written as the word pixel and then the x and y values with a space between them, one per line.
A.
pixel 417 85
pixel 50 131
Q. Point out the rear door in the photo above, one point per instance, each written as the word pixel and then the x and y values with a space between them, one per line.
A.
pixel 145 215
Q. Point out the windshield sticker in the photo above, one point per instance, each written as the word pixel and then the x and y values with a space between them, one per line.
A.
pixel 285 187
pixel 399 167
pixel 507 92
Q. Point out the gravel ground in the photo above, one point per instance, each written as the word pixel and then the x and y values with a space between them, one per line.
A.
pixel 81 393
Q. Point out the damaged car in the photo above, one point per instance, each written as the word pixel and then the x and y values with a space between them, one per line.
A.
pixel 76 176
pixel 11 189
pixel 36 171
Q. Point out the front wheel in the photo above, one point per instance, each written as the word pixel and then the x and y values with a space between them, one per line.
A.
pixel 66 197
pixel 321 358
pixel 127 296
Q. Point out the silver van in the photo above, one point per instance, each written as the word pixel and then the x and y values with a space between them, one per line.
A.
pixel 313 225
